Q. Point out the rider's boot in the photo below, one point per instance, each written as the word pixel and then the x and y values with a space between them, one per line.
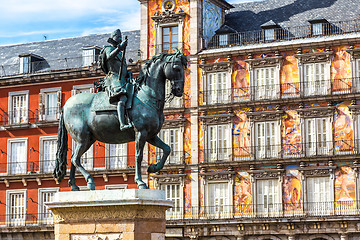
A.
pixel 121 115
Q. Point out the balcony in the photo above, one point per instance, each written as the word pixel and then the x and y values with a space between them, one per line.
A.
pixel 283 34
pixel 269 211
pixel 297 90
pixel 281 151
pixel 27 219
pixel 175 157
pixel 17 119
pixel 166 48
pixel 47 117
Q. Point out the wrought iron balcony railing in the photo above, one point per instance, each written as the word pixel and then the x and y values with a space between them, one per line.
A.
pixel 281 91
pixel 266 211
pixel 282 151
pixel 47 115
pixel 283 34
pixel 175 157
pixel 26 219
pixel 17 117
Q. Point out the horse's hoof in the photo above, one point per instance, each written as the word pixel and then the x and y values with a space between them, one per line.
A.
pixel 142 186
pixel 91 186
pixel 75 188
pixel 152 168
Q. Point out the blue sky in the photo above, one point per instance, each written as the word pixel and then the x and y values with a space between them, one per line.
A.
pixel 30 20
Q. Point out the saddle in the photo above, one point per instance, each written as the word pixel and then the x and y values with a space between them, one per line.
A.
pixel 101 102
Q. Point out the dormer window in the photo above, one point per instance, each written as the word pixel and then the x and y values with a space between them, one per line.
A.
pixel 269 34
pixel 223 39
pixel 270 29
pixel 29 63
pixel 318 26
pixel 90 55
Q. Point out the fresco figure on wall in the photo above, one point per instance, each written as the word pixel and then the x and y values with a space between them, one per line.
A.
pixel 345 187
pixel 292 191
pixel 243 195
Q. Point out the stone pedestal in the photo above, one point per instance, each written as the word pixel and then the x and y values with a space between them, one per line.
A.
pixel 129 214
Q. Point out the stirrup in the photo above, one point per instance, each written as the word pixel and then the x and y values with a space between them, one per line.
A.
pixel 127 126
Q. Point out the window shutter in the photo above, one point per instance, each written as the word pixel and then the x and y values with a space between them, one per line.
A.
pixel 260 139
pixel 58 104
pixel 41 106
pixel 73 92
pixel 213 139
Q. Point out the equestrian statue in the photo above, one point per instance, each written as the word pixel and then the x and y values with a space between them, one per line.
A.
pixel 123 110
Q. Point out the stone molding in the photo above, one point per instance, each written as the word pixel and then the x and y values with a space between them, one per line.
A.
pixel 263 62
pixel 354 52
pixel 174 123
pixel 355 109
pixel 314 57
pixel 316 112
pixel 169 178
pixel 214 176
pixel 217 67
pixel 168 16
pixel 266 174
pixel 217 118
pixel 265 116
pixel 317 171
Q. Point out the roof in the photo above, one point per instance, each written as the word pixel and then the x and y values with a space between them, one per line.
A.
pixel 250 16
pixel 61 53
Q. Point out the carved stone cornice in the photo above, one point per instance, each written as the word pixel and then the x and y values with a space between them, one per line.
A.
pixel 316 112
pixel 317 171
pixel 214 176
pixel 264 62
pixel 354 52
pixel 266 174
pixel 217 118
pixel 217 67
pixel 314 57
pixel 169 178
pixel 265 116
pixel 168 16
pixel 355 109
pixel 174 123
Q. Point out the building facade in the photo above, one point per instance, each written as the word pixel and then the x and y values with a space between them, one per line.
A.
pixel 265 141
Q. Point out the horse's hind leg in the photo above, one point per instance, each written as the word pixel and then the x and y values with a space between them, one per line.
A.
pixel 79 150
pixel 72 184
pixel 157 142
pixel 139 146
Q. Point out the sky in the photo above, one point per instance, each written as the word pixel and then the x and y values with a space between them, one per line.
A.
pixel 24 21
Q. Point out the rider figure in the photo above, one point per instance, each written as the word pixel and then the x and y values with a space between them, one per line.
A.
pixel 111 62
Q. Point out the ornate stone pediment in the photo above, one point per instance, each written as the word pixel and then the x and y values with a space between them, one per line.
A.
pixel 266 174
pixel 316 112
pixel 355 109
pixel 264 62
pixel 314 57
pixel 168 16
pixel 217 118
pixel 214 176
pixel 174 123
pixel 265 116
pixel 217 67
pixel 317 171
pixel 354 52
pixel 169 178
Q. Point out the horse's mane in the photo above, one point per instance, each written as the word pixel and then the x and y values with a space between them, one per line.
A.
pixel 144 71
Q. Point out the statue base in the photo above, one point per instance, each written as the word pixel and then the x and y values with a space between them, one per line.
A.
pixel 130 214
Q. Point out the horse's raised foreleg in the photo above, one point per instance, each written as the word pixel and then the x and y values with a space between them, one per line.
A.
pixel 140 139
pixel 157 142
pixel 79 150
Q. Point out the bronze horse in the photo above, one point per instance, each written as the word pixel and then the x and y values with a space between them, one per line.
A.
pixel 86 126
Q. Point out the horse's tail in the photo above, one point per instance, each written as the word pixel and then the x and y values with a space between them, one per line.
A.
pixel 62 147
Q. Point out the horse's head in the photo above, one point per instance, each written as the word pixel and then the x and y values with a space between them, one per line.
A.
pixel 174 71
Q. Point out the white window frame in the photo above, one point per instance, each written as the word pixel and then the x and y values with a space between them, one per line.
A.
pixel 325 207
pixel 22 220
pixel 267 149
pixel 116 187
pixel 109 160
pixel 9 155
pixel 43 104
pixel 177 211
pixel 41 164
pixel 176 156
pixel 11 110
pixel 317 29
pixel 162 39
pixel 356 69
pixel 83 87
pixel 318 147
pixel 269 34
pixel 314 86
pixel 176 102
pixel 223 39
pixel 47 216
pixel 223 154
pixel 158 33
pixel 217 92
pixel 88 166
pixel 222 210
pixel 88 56
pixel 276 205
pixel 22 70
pixel 263 90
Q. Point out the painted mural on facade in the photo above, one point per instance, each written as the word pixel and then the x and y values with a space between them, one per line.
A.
pixel 187 195
pixel 291 135
pixel 289 75
pixel 341 70
pixel 242 194
pixel 241 132
pixel 212 17
pixel 292 190
pixel 345 187
pixel 240 80
pixel 343 133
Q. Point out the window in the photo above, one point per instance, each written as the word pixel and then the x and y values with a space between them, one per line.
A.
pixel 318 136
pixel 267 140
pixel 223 39
pixel 18 107
pixel 265 83
pixel 172 137
pixel 48 154
pixel 117 156
pixel 45 215
pixel 86 88
pixel 269 34
pixel 218 200
pixel 219 143
pixel 16 207
pixel 218 88
pixel 87 159
pixel 90 55
pixel 17 160
pixel 116 187
pixel 268 201
pixel 176 102
pixel 173 193
pixel 318 195
pixel 49 104
pixel 357 75
pixel 314 79
pixel 317 29
pixel 25 64
pixel 170 39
